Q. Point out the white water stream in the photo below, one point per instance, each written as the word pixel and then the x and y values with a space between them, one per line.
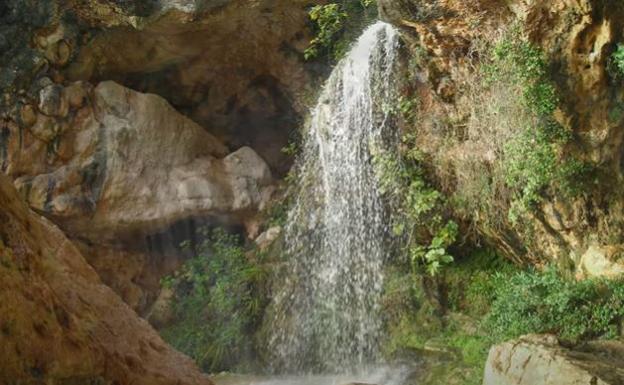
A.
pixel 327 318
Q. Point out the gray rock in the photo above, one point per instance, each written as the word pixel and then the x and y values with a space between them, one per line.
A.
pixel 51 102
pixel 541 360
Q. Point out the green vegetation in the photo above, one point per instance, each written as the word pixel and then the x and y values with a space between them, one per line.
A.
pixel 616 62
pixel 218 304
pixel 418 210
pixel 483 300
pixel 532 160
pixel 336 24
pixel 538 302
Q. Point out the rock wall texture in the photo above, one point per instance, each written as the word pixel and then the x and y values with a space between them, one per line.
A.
pixel 121 120
pixel 127 163
pixel 235 67
pixel 59 324
pixel 540 360
pixel 445 41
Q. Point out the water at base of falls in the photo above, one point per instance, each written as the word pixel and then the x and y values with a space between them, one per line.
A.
pixel 326 316
pixel 382 375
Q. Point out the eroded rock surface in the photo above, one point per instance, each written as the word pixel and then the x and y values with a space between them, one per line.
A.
pixel 116 168
pixel 128 163
pixel 540 360
pixel 447 43
pixel 60 324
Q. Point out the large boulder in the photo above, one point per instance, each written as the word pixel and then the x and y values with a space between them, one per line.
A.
pixel 232 65
pixel 60 324
pixel 541 360
pixel 128 163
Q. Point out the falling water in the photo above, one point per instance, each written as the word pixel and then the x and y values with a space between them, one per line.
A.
pixel 327 316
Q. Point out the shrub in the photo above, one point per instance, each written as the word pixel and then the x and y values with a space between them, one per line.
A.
pixel 616 62
pixel 334 22
pixel 547 302
pixel 533 159
pixel 417 209
pixel 218 303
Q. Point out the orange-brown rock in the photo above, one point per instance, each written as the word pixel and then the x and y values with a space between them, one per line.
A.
pixel 59 324
pixel 463 130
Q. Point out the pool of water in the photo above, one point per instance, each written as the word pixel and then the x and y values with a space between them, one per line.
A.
pixel 384 375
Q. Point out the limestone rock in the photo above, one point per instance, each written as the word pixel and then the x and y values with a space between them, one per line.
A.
pixel 132 164
pixel 540 360
pixel 60 324
pixel 234 67
pixel 134 275
pixel 601 261
pixel 51 102
pixel 266 239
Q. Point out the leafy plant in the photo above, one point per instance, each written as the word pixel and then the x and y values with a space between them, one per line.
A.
pixel 218 303
pixel 616 62
pixel 536 302
pixel 331 21
pixel 532 158
pixel 417 209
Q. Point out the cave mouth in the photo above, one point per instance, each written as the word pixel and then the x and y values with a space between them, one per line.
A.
pixel 235 73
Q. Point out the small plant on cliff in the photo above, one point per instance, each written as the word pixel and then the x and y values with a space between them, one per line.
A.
pixel 218 303
pixel 615 65
pixel 332 24
pixel 417 209
pixel 533 158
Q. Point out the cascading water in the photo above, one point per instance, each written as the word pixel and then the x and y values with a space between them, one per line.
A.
pixel 327 316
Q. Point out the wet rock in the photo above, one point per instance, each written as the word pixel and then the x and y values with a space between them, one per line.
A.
pixel 540 360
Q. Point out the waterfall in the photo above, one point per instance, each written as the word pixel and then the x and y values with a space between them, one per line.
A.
pixel 327 314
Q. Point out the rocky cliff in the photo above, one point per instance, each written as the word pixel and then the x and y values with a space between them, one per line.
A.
pixel 60 324
pixel 509 185
pixel 132 124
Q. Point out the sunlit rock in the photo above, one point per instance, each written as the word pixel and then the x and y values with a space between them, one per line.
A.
pixel 59 321
pixel 132 164
pixel 602 261
pixel 540 360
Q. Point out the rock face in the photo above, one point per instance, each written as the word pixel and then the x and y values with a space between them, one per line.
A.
pixel 446 43
pixel 112 165
pixel 603 261
pixel 59 324
pixel 116 168
pixel 540 360
pixel 130 163
pixel 233 66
